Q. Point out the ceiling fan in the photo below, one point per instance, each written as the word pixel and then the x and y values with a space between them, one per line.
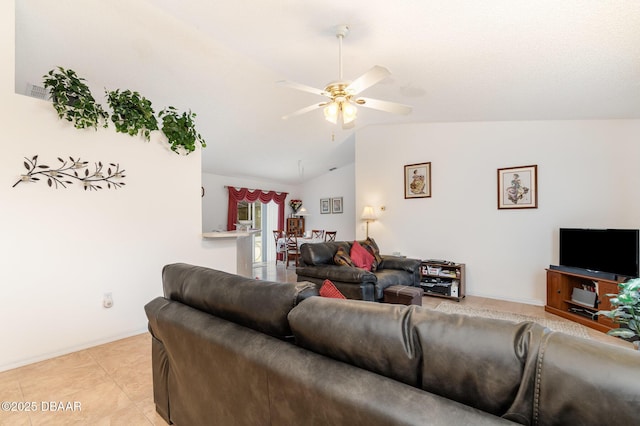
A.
pixel 342 94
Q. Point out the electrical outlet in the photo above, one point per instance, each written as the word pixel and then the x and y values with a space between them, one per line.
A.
pixel 107 300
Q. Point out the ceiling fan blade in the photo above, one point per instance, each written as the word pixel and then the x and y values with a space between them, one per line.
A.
pixel 368 79
pixel 384 106
pixel 303 87
pixel 303 110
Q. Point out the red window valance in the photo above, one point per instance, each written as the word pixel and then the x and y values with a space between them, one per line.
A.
pixel 244 194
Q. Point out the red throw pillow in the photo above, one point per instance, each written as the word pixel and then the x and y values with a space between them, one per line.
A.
pixel 372 248
pixel 361 257
pixel 329 289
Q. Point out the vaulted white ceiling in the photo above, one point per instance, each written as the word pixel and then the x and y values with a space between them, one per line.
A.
pixel 452 60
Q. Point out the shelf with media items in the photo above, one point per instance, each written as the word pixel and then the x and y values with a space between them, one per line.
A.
pixel 579 296
pixel 441 278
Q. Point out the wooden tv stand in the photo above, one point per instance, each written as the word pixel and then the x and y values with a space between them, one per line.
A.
pixel 560 285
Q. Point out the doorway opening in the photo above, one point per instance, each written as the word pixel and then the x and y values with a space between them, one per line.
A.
pixel 263 216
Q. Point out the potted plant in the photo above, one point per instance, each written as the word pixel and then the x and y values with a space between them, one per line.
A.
pixel 180 130
pixel 72 99
pixel 131 113
pixel 626 311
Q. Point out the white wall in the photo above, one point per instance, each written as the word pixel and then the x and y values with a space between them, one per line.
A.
pixel 338 183
pixel 61 249
pixel 588 177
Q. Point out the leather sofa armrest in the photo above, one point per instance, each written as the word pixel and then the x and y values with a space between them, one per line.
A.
pixel 159 358
pixel 347 274
pixel 586 382
pixel 401 263
pixel 152 309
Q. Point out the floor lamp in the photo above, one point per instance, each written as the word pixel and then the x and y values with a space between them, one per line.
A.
pixel 368 216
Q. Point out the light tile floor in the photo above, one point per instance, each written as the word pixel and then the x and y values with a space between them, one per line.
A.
pixel 105 385
pixel 112 382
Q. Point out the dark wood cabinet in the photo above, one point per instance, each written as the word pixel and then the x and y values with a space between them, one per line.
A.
pixel 560 285
pixel 296 224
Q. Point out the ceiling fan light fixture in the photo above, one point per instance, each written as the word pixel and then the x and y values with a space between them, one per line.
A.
pixel 341 108
pixel 331 112
pixel 349 112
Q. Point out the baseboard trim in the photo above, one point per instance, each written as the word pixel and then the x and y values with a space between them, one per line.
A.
pixel 71 349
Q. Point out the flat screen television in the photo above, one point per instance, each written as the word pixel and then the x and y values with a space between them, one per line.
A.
pixel 600 250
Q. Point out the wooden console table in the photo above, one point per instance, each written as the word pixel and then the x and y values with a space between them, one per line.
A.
pixel 560 285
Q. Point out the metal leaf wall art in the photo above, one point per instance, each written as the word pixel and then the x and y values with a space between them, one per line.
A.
pixel 73 170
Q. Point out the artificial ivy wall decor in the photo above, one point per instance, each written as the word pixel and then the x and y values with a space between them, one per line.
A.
pixel 73 100
pixel 131 112
pixel 92 178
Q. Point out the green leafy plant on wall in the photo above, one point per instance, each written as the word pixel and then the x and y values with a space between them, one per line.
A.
pixel 131 113
pixel 72 99
pixel 180 130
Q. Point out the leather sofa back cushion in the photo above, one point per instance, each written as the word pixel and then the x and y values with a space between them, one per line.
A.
pixel 314 254
pixel 260 305
pixel 369 335
pixel 486 363
pixel 477 361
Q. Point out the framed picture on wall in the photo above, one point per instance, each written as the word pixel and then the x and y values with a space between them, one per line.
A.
pixel 325 205
pixel 336 205
pixel 518 187
pixel 417 180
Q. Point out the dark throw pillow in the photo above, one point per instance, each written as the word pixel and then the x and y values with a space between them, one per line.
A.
pixel 342 258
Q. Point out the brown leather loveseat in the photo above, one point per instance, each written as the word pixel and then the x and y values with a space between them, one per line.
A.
pixel 317 264
pixel 229 350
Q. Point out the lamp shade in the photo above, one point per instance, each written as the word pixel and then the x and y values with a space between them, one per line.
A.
pixel 302 212
pixel 368 214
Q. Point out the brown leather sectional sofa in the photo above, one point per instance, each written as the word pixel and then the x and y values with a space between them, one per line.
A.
pixel 229 350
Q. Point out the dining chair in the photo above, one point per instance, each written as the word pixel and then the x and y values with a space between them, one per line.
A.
pixel 317 233
pixel 330 235
pixel 293 251
pixel 277 234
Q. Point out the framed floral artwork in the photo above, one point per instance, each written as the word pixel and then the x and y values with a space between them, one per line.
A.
pixel 518 187
pixel 417 180
pixel 336 205
pixel 325 205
